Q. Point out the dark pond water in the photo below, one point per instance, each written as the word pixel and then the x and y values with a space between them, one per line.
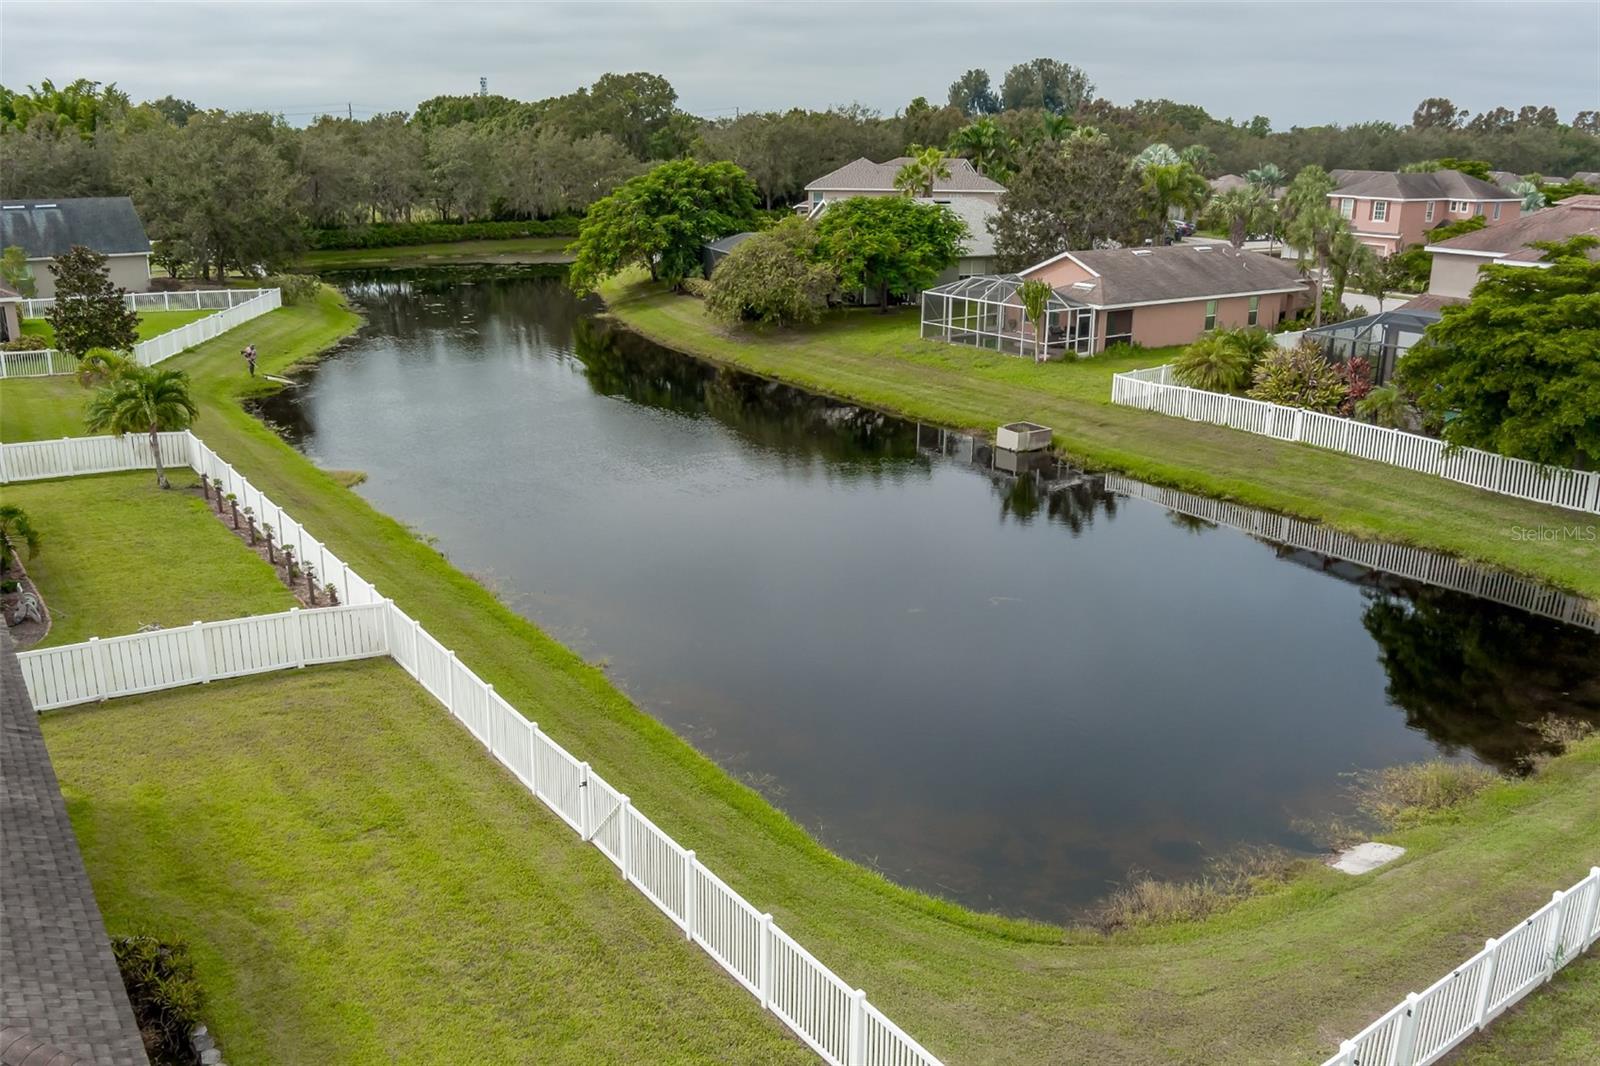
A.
pixel 1007 690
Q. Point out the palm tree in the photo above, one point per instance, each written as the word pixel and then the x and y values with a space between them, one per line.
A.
pixel 144 400
pixel 1532 198
pixel 1156 155
pixel 1240 211
pixel 927 167
pixel 987 145
pixel 1269 178
pixel 1168 186
pixel 1087 133
pixel 100 365
pixel 1055 127
pixel 1035 296
pixel 1200 157
pixel 14 529
pixel 1312 232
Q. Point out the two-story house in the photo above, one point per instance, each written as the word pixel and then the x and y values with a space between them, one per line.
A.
pixel 1392 211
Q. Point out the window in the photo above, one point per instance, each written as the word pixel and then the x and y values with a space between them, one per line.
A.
pixel 1211 314
pixel 1458 207
pixel 1497 212
pixel 1255 309
pixel 1380 210
pixel 1347 207
pixel 1429 216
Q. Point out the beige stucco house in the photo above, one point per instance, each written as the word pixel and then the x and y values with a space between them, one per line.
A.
pixel 45 229
pixel 1389 212
pixel 10 317
pixel 863 177
pixel 1456 262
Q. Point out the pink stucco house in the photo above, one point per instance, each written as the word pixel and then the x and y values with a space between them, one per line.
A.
pixel 1174 293
pixel 1389 212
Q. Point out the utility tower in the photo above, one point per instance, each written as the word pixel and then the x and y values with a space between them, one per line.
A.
pixel 483 86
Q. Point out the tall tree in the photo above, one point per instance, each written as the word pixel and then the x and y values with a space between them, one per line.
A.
pixel 888 244
pixel 144 399
pixel 16 273
pixel 89 311
pixel 1048 83
pixel 773 278
pixel 1241 212
pixel 928 166
pixel 1312 225
pixel 971 94
pixel 1515 367
pixel 1075 196
pixel 1437 113
pixel 661 219
pixel 1171 187
pixel 988 146
pixel 1200 157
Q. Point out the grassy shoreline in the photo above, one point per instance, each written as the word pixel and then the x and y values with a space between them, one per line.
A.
pixel 879 360
pixel 502 250
pixel 973 987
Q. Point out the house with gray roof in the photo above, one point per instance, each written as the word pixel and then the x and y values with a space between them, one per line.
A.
pixel 1390 211
pixel 863 177
pixel 1457 261
pixel 47 229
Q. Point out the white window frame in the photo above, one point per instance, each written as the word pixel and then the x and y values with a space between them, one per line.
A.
pixel 1380 210
pixel 1460 207
pixel 1429 216
pixel 1497 212
pixel 1255 310
pixel 1211 314
pixel 1347 207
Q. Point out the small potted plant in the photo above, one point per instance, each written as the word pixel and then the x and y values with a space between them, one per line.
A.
pixel 288 559
pixel 311 584
pixel 233 508
pixel 250 524
pixel 333 594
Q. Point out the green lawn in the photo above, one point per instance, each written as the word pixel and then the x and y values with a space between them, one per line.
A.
pixel 151 324
pixel 358 883
pixel 106 561
pixel 1280 978
pixel 505 250
pixel 879 360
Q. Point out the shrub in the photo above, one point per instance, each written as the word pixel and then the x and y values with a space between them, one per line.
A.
pixel 1356 373
pixel 1145 900
pixel 1402 795
pixel 24 343
pixel 166 284
pixel 166 996
pixel 1224 360
pixel 1300 377
pixel 771 278
pixel 1386 406
pixel 699 288
pixel 399 234
pixel 295 288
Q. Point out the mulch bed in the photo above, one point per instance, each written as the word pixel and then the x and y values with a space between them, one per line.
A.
pixel 30 632
pixel 310 593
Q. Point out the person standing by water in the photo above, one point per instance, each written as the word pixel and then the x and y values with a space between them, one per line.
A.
pixel 250 359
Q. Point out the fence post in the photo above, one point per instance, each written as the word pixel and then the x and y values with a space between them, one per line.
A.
pixel 856 1053
pixel 764 963
pixel 1480 1013
pixel 202 658
pixel 102 673
pixel 1552 946
pixel 688 893
pixel 416 649
pixel 1299 423
pixel 1405 1045
pixel 72 460
pixel 624 807
pixel 533 758
pixel 297 642
pixel 450 685
pixel 1591 913
pixel 585 806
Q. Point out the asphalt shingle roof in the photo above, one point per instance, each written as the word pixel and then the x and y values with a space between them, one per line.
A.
pixel 1574 216
pixel 59 983
pixel 863 175
pixel 1178 272
pixel 1425 185
pixel 46 229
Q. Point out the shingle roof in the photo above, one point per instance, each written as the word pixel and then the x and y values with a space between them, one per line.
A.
pixel 1512 240
pixel 1178 272
pixel 1588 177
pixel 49 228
pixel 1227 183
pixel 1426 185
pixel 1430 301
pixel 730 242
pixel 863 175
pixel 8 293
pixel 1504 178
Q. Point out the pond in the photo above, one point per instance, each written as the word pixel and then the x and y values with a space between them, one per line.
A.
pixel 1007 689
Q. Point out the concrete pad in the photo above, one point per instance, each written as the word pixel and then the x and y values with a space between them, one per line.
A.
pixel 1364 858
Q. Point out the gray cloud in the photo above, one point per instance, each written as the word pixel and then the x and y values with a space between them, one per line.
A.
pixel 1297 63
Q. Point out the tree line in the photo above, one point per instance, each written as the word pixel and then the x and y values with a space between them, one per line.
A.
pixel 237 190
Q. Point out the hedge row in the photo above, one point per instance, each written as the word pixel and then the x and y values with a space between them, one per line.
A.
pixel 399 234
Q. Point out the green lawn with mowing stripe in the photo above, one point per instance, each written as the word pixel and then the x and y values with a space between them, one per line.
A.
pixel 151 324
pixel 359 883
pixel 879 360
pixel 1277 979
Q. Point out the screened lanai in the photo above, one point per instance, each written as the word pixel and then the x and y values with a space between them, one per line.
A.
pixel 986 311
pixel 1380 339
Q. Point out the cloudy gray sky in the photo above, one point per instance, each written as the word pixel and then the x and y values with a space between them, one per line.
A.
pixel 1299 63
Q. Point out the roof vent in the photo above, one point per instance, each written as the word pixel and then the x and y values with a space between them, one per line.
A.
pixel 1141 251
pixel 37 206
pixel 1083 284
pixel 1202 247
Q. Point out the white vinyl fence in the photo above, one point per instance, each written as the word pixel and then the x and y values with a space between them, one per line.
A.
pixel 237 306
pixel 1155 390
pixel 833 1018
pixel 1425 1026
pixel 1419 564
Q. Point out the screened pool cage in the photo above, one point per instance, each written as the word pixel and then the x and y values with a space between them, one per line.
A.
pixel 1380 339
pixel 986 311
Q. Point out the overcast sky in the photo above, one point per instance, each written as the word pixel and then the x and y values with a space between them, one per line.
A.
pixel 1299 63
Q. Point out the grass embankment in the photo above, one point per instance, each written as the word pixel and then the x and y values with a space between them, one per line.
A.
pixel 108 549
pixel 1559 1025
pixel 502 250
pixel 1274 979
pixel 880 360
pixel 151 324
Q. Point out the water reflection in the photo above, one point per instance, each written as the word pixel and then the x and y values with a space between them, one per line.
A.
pixel 994 677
